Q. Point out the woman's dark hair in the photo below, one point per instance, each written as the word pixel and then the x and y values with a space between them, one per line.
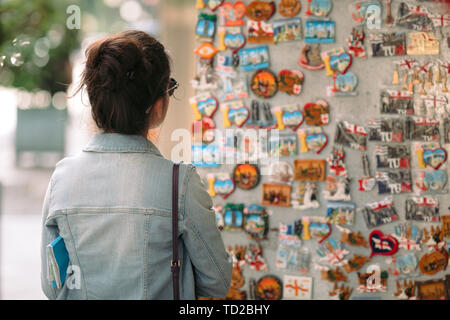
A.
pixel 125 75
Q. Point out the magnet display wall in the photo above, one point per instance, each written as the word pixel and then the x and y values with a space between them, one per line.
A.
pixel 382 101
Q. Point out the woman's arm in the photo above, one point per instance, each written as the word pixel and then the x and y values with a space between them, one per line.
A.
pixel 212 263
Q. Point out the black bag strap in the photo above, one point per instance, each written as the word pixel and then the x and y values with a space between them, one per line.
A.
pixel 175 263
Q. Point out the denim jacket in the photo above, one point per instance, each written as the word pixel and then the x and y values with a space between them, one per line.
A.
pixel 112 206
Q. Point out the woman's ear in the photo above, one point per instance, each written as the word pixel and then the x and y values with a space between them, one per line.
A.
pixel 159 111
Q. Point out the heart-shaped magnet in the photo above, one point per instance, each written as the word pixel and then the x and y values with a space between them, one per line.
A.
pixel 316 113
pixel 239 115
pixel 224 187
pixel 435 157
pixel 207 107
pixel 213 4
pixel 382 244
pixel 435 180
pixel 346 82
pixel 234 13
pixel 235 41
pixel 341 62
pixel 316 142
pixel 292 119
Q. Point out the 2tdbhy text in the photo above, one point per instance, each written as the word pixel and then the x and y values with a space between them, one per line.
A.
pixel 228 309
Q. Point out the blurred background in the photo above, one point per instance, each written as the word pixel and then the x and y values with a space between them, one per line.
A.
pixel 42 44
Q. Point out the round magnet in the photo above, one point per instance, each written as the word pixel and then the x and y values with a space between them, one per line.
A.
pixel 268 288
pixel 246 176
pixel 264 84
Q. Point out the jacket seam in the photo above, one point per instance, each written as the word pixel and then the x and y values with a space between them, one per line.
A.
pixel 145 261
pixel 210 255
pixel 76 255
pixel 55 295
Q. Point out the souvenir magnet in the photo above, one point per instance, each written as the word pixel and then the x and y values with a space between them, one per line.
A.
pixel 387 44
pixel 316 113
pixel 355 43
pixel 213 5
pixel 344 85
pixel 337 182
pixel 351 135
pixel 206 27
pixel 341 212
pixel 276 195
pixel 351 238
pixel 233 13
pixel 268 288
pixel 234 112
pixel 337 61
pixel 397 102
pixel 423 208
pixel 434 158
pixel 246 176
pixel 340 293
pixel 422 43
pixel 305 196
pixel 205 79
pixel 204 106
pixel 355 263
pixel 432 263
pixel 206 51
pixel 431 290
pixel 218 212
pixel 290 82
pixel 309 170
pixel 289 8
pixel 203 130
pixel 367 13
pixel 319 31
pixel 392 157
pixel 310 58
pixel 260 10
pixel 367 183
pixel 433 239
pixel 237 282
pixel 414 17
pixel 408 236
pixel 332 252
pixel 297 288
pixel 264 84
pixel 319 8
pixel 260 32
pixel 255 259
pixel 287 30
pixel 312 139
pixel 238 255
pixel 374 280
pixel 379 213
pixel 434 181
pixel 402 265
pixel 234 39
pixel 331 275
pixel 288 116
pixel 386 130
pixel 280 172
pixel 283 145
pixel 445 227
pixel 233 216
pixel 394 182
pixel 381 244
pixel 435 106
pixel 289 255
pixel 205 155
pixel 256 222
pixel 422 129
pixel 254 58
pixel 220 184
pixel 405 291
pixel 316 228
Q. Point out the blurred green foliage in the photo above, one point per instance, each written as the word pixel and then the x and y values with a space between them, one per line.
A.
pixel 32 32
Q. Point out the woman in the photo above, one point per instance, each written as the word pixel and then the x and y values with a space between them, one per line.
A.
pixel 112 203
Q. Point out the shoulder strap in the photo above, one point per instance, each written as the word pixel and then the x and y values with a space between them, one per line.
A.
pixel 175 263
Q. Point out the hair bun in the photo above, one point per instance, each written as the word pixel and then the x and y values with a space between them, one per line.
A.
pixel 115 61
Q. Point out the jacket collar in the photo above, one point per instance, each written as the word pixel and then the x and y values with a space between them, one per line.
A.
pixel 116 142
